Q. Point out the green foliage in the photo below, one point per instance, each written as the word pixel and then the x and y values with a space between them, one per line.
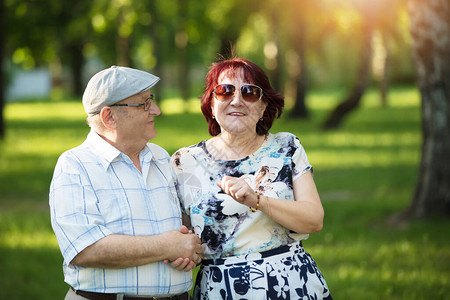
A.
pixel 145 34
pixel 365 173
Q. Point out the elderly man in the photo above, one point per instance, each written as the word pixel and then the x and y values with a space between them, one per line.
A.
pixel 113 203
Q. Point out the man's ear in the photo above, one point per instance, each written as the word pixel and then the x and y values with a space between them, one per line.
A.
pixel 107 117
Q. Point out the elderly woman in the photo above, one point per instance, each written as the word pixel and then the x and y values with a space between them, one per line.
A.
pixel 249 194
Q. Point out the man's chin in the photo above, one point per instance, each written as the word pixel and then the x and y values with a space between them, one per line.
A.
pixel 152 135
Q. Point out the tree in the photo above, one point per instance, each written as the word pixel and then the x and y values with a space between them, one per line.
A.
pixel 230 18
pixel 430 32
pixel 377 17
pixel 299 40
pixel 2 77
pixel 353 99
pixel 74 30
pixel 182 45
pixel 154 29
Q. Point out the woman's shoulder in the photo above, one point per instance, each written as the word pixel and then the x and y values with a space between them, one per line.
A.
pixel 286 142
pixel 284 135
pixel 189 150
pixel 285 138
pixel 188 153
pixel 188 157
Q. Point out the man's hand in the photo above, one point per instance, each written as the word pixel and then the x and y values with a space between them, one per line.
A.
pixel 186 249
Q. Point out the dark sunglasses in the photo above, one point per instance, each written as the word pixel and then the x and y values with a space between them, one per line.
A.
pixel 249 92
pixel 146 104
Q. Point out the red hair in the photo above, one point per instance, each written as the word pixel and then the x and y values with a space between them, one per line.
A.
pixel 252 74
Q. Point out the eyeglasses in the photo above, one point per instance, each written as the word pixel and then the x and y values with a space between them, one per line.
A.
pixel 249 92
pixel 146 104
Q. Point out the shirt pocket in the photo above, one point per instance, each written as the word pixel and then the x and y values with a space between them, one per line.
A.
pixel 115 209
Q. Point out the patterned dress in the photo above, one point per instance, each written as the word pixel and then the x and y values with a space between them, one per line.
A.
pixel 247 255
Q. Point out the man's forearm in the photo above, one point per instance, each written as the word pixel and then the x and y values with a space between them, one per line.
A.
pixel 121 251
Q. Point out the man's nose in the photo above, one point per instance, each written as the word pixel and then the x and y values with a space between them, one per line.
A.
pixel 154 109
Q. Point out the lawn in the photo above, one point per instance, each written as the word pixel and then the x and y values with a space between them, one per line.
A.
pixel 365 172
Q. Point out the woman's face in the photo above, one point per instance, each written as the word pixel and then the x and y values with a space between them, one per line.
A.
pixel 235 115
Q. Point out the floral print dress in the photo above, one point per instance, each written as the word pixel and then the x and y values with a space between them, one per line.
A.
pixel 247 255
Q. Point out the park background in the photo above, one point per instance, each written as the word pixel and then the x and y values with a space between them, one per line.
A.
pixel 348 70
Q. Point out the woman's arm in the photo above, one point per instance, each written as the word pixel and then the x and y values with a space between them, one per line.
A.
pixel 304 215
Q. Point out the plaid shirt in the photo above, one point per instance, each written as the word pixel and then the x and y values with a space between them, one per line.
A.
pixel 96 191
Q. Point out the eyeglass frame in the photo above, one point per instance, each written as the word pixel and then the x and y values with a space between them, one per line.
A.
pixel 149 99
pixel 240 91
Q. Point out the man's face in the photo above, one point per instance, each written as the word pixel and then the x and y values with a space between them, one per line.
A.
pixel 134 124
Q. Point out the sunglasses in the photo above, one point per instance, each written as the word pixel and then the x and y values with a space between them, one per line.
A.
pixel 249 92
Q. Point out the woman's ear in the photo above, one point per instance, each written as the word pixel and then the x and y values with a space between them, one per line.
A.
pixel 107 117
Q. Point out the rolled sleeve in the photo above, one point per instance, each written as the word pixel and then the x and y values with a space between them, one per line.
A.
pixel 75 216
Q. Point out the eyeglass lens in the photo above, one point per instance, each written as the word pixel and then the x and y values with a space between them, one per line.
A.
pixel 148 102
pixel 249 92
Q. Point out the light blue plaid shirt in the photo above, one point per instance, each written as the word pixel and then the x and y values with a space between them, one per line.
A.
pixel 96 191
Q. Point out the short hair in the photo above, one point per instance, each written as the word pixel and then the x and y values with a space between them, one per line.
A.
pixel 252 74
pixel 94 121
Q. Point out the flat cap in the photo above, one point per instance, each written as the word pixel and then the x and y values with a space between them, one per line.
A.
pixel 114 84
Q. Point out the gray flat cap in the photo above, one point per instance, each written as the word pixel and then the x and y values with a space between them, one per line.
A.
pixel 114 84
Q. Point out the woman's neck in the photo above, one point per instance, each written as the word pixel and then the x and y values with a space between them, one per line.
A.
pixel 233 147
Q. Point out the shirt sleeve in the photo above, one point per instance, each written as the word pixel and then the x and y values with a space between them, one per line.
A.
pixel 75 216
pixel 300 162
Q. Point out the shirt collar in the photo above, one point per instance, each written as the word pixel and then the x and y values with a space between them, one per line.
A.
pixel 109 152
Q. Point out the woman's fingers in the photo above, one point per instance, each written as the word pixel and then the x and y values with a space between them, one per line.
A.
pixel 235 187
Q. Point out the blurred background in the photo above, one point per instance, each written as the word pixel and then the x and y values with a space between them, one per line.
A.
pixel 358 77
pixel 57 46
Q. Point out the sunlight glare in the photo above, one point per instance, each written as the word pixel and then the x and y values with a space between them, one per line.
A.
pixel 32 240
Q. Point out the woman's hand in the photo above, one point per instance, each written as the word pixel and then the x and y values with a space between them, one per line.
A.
pixel 304 215
pixel 239 190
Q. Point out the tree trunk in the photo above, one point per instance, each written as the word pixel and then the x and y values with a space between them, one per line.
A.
pixel 122 45
pixel 123 51
pixel 430 31
pixel 299 110
pixel 383 81
pixel 274 60
pixel 155 36
pixel 2 71
pixel 181 42
pixel 352 101
pixel 77 59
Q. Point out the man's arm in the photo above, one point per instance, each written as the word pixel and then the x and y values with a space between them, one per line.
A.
pixel 122 251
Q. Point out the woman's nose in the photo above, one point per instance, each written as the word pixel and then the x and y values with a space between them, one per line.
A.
pixel 237 98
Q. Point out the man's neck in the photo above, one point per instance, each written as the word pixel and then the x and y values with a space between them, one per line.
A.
pixel 132 150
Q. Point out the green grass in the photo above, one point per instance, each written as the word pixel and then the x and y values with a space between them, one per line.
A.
pixel 365 172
